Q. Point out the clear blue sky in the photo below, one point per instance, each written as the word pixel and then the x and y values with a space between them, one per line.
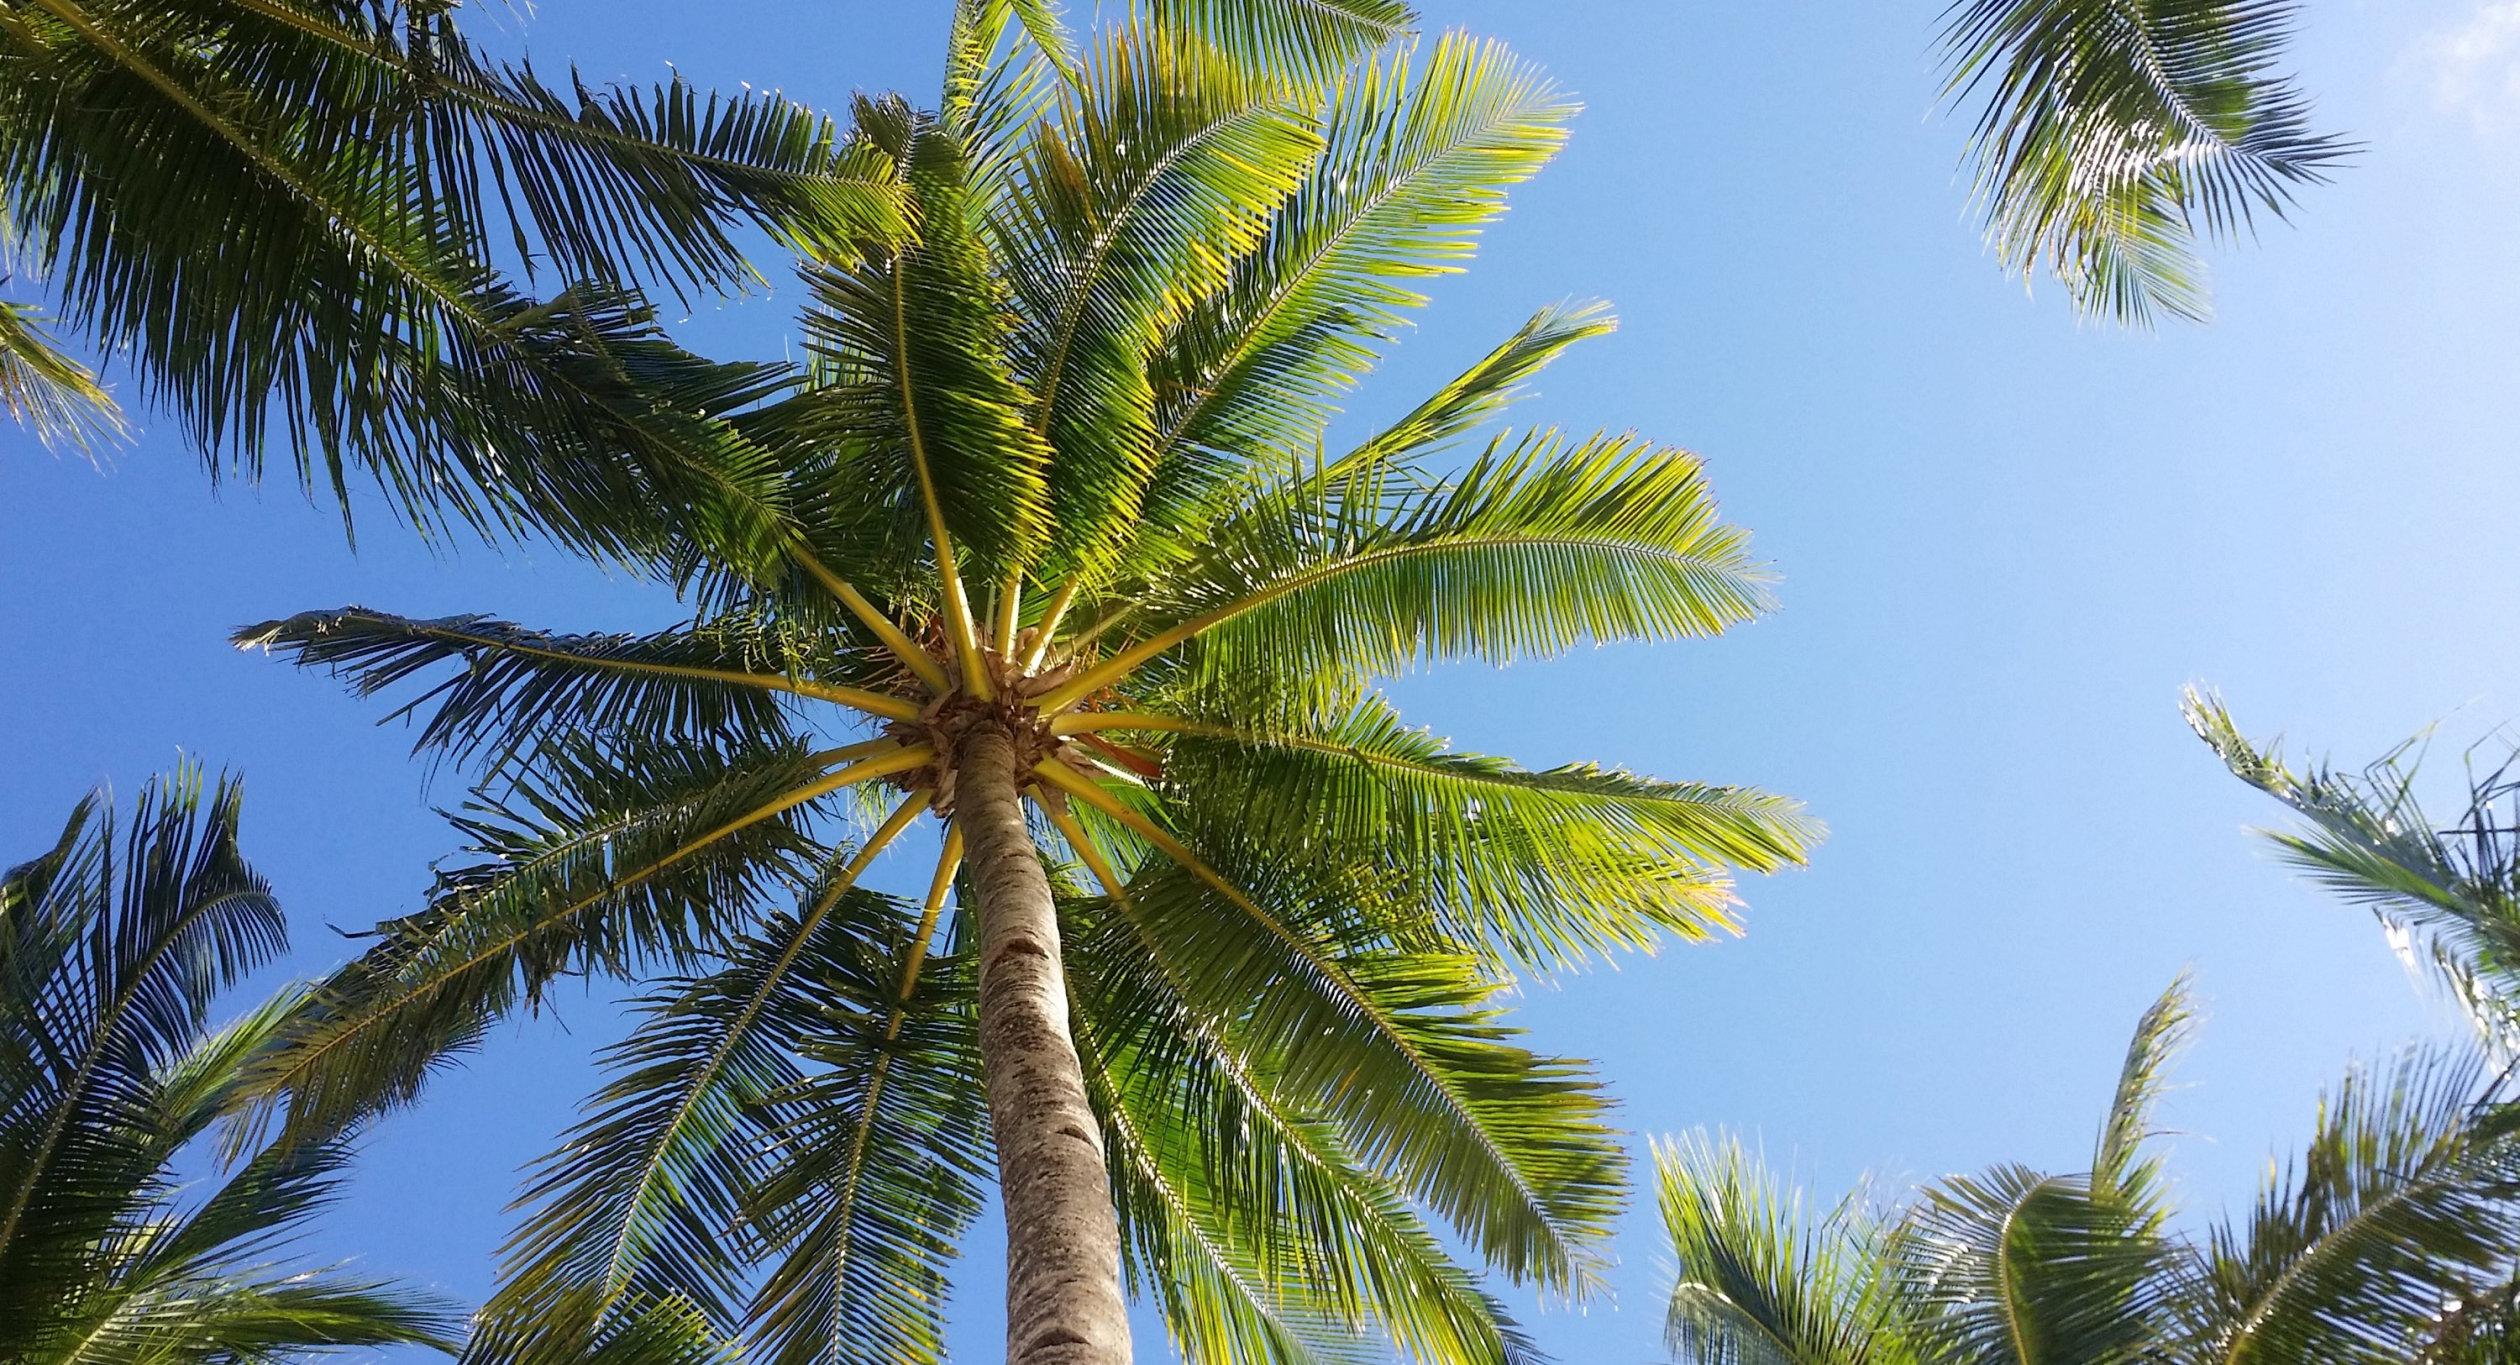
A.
pixel 2006 541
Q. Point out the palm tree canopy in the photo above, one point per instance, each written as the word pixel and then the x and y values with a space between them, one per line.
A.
pixel 113 944
pixel 282 216
pixel 1061 463
pixel 2395 1223
pixel 2113 135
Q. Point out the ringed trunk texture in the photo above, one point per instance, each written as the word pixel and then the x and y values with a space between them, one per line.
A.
pixel 1063 1300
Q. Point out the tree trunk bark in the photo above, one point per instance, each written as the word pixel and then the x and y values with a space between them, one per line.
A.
pixel 1063 1300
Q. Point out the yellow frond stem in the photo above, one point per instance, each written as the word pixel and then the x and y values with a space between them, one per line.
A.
pixel 1129 660
pixel 958 620
pixel 854 753
pixel 881 704
pixel 917 660
pixel 1010 606
pixel 1086 849
pixel 1048 630
pixel 948 863
pixel 1090 722
pixel 1068 780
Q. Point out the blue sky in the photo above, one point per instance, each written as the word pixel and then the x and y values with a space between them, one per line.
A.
pixel 2006 541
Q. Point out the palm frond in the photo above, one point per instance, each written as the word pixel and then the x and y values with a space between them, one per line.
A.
pixel 1415 163
pixel 2397 1212
pixel 55 398
pixel 2014 1267
pixel 512 689
pixel 112 946
pixel 1250 1218
pixel 2448 893
pixel 1500 379
pixel 274 223
pixel 881 1148
pixel 1403 1050
pixel 1539 545
pixel 109 955
pixel 2120 1165
pixel 1546 867
pixel 1762 1280
pixel 2115 134
pixel 1310 41
pixel 1159 172
pixel 638 1200
pixel 939 402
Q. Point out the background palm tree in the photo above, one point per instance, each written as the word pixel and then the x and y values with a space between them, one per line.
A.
pixel 1211 949
pixel 113 944
pixel 282 216
pixel 2113 135
pixel 2373 1245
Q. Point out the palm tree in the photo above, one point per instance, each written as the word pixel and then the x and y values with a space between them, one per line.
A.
pixel 283 215
pixel 113 944
pixel 2447 892
pixel 2373 1247
pixel 2113 134
pixel 1210 953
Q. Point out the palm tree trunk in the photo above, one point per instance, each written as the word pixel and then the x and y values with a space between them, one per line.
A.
pixel 1063 1301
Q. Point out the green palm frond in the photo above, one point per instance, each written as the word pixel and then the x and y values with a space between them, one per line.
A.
pixel 2397 1212
pixel 1499 380
pixel 55 398
pixel 1416 162
pixel 936 406
pixel 1252 1220
pixel 1302 40
pixel 112 947
pixel 637 1199
pixel 286 239
pixel 2116 133
pixel 1548 867
pixel 665 1331
pixel 2015 1267
pixel 2448 892
pixel 1409 1054
pixel 882 1150
pixel 1762 1281
pixel 2121 1165
pixel 1159 173
pixel 513 689
pixel 1541 544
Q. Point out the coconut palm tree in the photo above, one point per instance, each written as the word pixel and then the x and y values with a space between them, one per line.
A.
pixel 2447 892
pixel 2113 135
pixel 113 944
pixel 1064 558
pixel 283 217
pixel 2377 1244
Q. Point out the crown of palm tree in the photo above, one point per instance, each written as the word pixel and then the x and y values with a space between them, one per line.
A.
pixel 113 944
pixel 1058 470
